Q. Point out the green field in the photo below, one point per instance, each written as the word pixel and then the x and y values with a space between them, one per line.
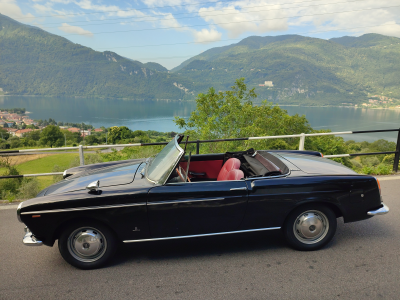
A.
pixel 45 165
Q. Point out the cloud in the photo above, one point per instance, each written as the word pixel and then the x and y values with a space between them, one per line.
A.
pixel 205 36
pixel 11 9
pixel 241 17
pixel 75 30
pixel 388 28
pixel 158 3
pixel 358 17
pixel 258 16
pixel 111 10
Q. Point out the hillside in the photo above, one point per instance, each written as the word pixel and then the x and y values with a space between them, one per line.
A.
pixel 293 69
pixel 35 62
pixel 303 70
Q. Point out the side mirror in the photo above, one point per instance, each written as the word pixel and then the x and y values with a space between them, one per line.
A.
pixel 94 186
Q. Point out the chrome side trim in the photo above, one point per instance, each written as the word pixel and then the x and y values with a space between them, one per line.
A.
pixel 82 208
pixel 201 235
pixel 239 189
pixel 184 201
pixel 381 211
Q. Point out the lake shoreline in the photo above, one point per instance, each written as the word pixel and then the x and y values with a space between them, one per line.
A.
pixel 159 115
pixel 191 101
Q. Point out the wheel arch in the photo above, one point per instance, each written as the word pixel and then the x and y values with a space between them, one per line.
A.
pixel 62 226
pixel 333 206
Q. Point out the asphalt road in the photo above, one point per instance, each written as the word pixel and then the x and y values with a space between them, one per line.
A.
pixel 362 262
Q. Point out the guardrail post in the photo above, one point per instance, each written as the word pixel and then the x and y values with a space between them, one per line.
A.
pixel 397 154
pixel 302 139
pixel 198 147
pixel 81 157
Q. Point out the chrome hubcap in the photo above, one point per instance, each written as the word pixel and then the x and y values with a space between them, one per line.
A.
pixel 87 244
pixel 311 227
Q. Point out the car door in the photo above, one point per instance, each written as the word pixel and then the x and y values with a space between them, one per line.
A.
pixel 191 208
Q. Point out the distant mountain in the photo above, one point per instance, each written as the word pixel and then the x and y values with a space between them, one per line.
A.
pixel 287 69
pixel 366 41
pixel 156 67
pixel 150 65
pixel 249 43
pixel 302 70
pixel 35 62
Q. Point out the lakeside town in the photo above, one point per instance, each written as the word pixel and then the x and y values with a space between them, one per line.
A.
pixel 17 123
pixel 379 101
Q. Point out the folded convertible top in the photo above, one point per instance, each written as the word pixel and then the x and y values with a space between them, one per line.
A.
pixel 259 163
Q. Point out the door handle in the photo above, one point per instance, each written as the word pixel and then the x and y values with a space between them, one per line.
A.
pixel 239 189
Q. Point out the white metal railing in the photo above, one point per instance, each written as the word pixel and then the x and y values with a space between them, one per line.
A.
pixel 302 137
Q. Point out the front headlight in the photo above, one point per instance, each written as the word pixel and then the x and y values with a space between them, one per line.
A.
pixel 19 212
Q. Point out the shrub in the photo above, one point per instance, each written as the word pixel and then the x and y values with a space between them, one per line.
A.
pixel 7 195
pixel 57 178
pixel 356 164
pixel 14 142
pixel 89 159
pixel 367 170
pixel 9 187
pixel 28 189
pixel 388 159
pixel 383 169
pixel 370 161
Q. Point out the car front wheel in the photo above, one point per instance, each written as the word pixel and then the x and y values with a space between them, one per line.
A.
pixel 310 227
pixel 87 245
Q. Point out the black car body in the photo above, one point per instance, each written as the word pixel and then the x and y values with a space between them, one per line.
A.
pixel 298 192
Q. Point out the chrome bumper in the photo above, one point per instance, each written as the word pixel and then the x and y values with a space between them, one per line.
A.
pixel 29 239
pixel 381 211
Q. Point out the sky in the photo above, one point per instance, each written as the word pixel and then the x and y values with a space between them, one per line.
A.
pixel 170 31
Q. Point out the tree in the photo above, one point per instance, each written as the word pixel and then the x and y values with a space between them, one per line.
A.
pixel 232 114
pixel 117 134
pixel 91 139
pixel 33 135
pixel 4 134
pixel 51 135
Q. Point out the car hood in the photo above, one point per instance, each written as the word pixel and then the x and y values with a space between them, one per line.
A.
pixel 108 176
pixel 313 164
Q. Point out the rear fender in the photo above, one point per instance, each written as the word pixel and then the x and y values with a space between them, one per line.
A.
pixel 330 203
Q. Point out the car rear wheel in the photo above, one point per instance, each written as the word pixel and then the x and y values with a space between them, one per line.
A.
pixel 87 245
pixel 310 227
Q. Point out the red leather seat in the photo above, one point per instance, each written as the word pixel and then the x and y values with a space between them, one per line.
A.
pixel 235 175
pixel 230 170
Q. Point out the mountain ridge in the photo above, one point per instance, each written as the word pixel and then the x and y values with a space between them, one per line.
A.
pixel 35 62
pixel 303 70
pixel 285 69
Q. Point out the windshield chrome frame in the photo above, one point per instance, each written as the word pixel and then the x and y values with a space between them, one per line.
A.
pixel 181 153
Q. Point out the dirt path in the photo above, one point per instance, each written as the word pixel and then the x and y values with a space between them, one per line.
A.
pixel 16 160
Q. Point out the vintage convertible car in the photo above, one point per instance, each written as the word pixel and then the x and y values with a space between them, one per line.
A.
pixel 174 196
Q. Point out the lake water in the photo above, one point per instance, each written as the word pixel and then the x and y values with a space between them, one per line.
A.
pixel 158 115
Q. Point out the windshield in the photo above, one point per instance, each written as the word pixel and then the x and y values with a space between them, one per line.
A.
pixel 163 164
